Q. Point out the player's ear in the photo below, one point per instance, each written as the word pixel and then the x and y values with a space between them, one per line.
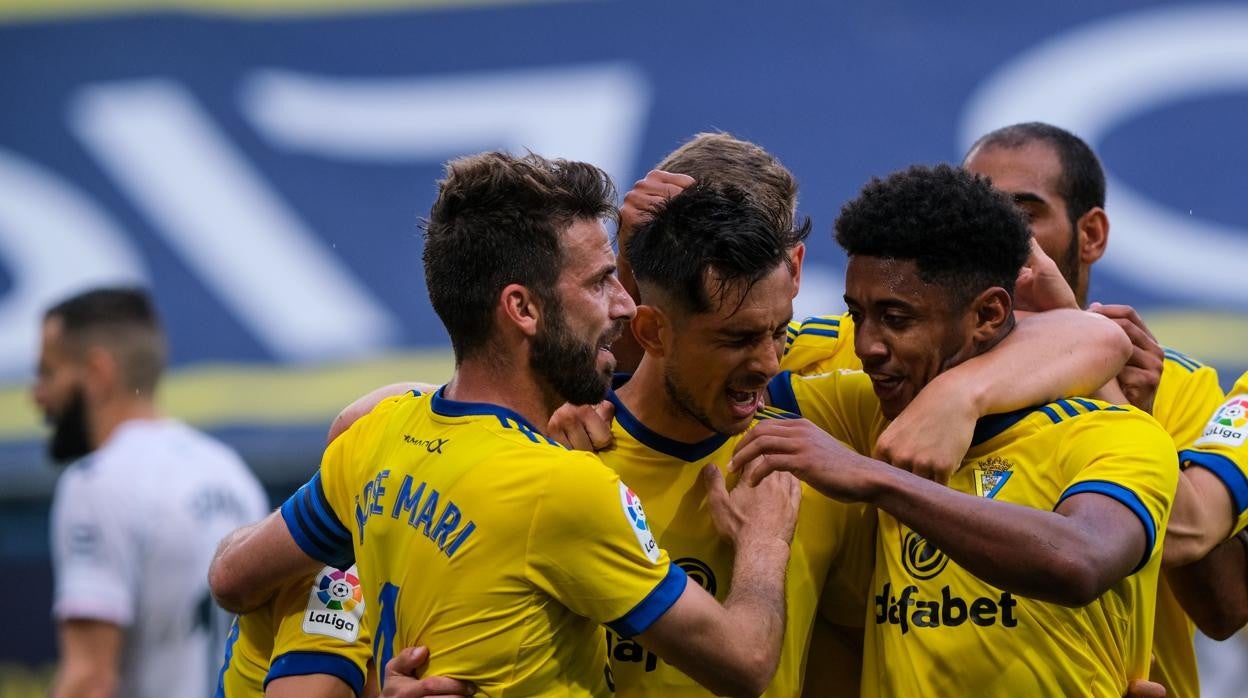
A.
pixel 1093 229
pixel 650 326
pixel 518 308
pixel 797 254
pixel 100 371
pixel 991 310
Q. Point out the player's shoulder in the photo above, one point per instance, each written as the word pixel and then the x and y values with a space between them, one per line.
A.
pixel 1181 373
pixel 1089 418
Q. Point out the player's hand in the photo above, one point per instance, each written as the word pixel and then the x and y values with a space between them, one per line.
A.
pixel 1040 285
pixel 767 510
pixel 403 678
pixel 1145 689
pixel 583 427
pixel 1142 374
pixel 647 194
pixel 931 436
pixel 799 447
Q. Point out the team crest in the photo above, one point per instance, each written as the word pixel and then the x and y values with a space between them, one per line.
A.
pixel 1229 424
pixel 335 605
pixel 991 475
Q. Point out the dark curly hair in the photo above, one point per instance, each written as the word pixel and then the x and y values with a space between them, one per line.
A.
pixel 961 233
pixel 1082 182
pixel 708 228
pixel 498 220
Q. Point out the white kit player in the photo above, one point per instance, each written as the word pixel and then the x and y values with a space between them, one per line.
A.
pixel 136 518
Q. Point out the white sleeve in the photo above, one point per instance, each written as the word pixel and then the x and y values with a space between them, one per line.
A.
pixel 95 553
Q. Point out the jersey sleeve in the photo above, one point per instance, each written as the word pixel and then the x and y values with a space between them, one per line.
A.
pixel 1222 448
pixel 320 514
pixel 842 403
pixel 1123 454
pixel 319 629
pixel 845 593
pixel 591 548
pixel 94 549
pixel 820 344
pixel 1188 394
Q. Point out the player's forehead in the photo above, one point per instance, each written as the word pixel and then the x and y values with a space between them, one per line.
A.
pixel 745 308
pixel 879 282
pixel 586 248
pixel 1032 167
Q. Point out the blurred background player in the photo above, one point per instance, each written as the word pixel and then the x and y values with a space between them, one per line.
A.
pixel 520 269
pixel 1059 184
pixel 997 583
pixel 138 513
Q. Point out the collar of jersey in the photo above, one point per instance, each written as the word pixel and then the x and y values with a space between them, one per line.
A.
pixel 657 442
pixel 991 425
pixel 447 407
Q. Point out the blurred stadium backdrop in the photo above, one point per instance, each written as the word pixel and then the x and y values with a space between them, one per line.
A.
pixel 263 165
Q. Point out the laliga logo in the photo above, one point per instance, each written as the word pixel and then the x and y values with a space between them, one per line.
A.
pixel 1094 77
pixel 340 591
pixel 632 504
pixel 1233 414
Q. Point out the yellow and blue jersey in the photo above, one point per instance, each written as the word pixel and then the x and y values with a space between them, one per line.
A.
pixel 1222 448
pixel 935 629
pixel 665 474
pixel 1186 396
pixel 479 537
pixel 820 344
pixel 312 626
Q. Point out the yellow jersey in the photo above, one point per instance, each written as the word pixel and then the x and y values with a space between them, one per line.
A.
pixel 935 629
pixel 312 626
pixel 820 344
pixel 484 540
pixel 1222 448
pixel 665 474
pixel 1187 395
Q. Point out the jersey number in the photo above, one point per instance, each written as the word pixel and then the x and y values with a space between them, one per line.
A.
pixel 387 628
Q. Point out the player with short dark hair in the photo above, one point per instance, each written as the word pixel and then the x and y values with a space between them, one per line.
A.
pixel 1033 572
pixel 138 512
pixel 1057 181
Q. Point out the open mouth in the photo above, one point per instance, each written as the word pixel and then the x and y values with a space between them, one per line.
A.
pixel 744 403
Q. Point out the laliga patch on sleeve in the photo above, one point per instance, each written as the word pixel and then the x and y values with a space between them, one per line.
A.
pixel 335 605
pixel 1229 424
pixel 637 520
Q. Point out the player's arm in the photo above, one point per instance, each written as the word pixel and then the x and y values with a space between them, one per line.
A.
pixel 308 686
pixel 90 657
pixel 1202 518
pixel 1047 356
pixel 1068 556
pixel 365 404
pixel 253 561
pixel 1214 590
pixel 734 649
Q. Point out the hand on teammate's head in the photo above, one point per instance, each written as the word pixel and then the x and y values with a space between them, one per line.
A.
pixel 647 193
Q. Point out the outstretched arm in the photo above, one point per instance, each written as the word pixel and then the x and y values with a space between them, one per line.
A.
pixel 1068 556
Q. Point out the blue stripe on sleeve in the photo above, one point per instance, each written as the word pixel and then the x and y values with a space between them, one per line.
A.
pixel 655 604
pixel 1052 414
pixel 1123 496
pixel 780 389
pixel 311 533
pixel 325 513
pixel 1226 471
pixel 819 332
pixel 825 321
pixel 1182 359
pixel 304 663
pixel 1068 408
